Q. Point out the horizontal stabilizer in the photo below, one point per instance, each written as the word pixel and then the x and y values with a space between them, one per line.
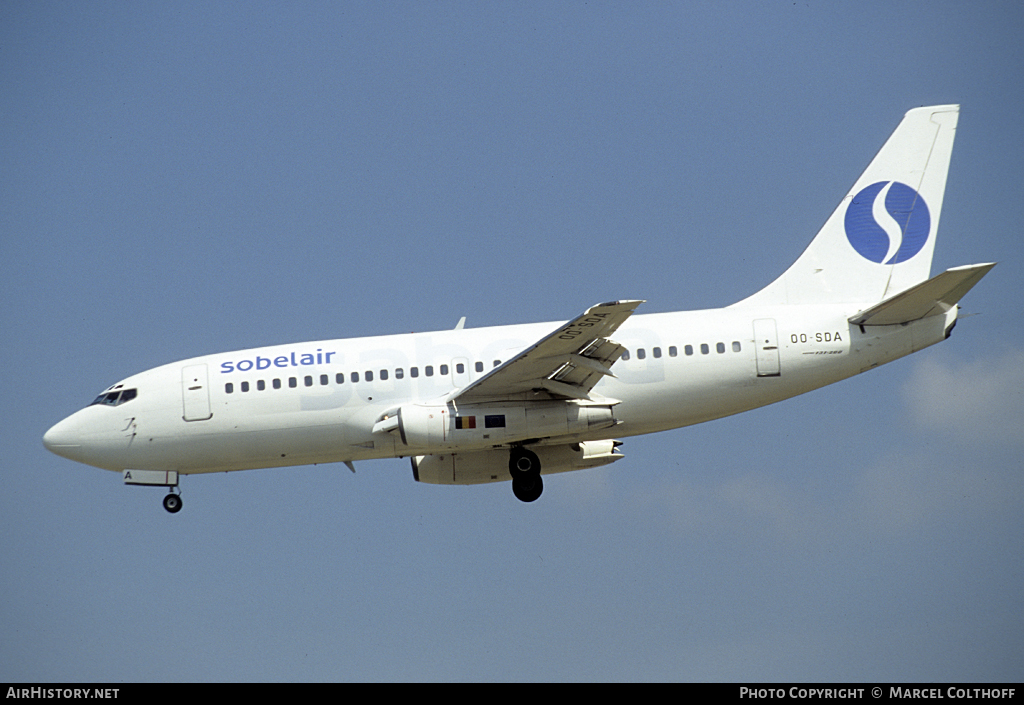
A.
pixel 929 298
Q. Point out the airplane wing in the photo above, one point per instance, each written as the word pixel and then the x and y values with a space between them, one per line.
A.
pixel 565 364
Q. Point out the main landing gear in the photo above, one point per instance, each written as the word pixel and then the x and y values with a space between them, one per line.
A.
pixel 524 466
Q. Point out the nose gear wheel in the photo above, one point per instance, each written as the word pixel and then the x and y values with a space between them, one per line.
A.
pixel 172 503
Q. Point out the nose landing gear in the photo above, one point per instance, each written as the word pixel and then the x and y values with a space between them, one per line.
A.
pixel 172 503
pixel 160 478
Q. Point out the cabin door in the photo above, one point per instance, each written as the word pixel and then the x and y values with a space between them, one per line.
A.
pixel 460 372
pixel 195 393
pixel 766 342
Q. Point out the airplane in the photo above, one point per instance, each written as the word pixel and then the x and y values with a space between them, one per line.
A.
pixel 515 403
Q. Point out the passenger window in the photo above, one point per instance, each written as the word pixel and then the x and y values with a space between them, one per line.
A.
pixel 657 352
pixel 429 370
pixel 460 368
pixel 720 347
pixel 261 385
pixel 245 386
pixel 672 351
pixel 309 380
pixel 355 376
pixel 641 354
pixel 368 376
pixel 228 388
pixel 292 382
pixel 479 367
pixel 735 346
pixel 688 350
pixel 704 349
pixel 324 380
pixel 277 384
pixel 444 369
pixel 625 355
pixel 339 378
pixel 383 374
pixel 399 373
pixel 414 371
pixel 497 362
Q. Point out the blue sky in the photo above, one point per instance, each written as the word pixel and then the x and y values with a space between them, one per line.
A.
pixel 188 178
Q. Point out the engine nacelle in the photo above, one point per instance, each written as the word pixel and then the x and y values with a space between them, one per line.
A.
pixel 437 427
pixel 481 466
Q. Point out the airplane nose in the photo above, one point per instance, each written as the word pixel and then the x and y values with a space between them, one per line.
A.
pixel 63 439
pixel 89 436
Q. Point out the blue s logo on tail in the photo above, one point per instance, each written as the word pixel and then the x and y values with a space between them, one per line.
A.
pixel 909 223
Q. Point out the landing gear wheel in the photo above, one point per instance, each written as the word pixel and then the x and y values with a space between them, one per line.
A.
pixel 523 462
pixel 524 467
pixel 172 503
pixel 527 489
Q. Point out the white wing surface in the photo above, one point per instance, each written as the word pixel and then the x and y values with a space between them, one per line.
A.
pixel 565 364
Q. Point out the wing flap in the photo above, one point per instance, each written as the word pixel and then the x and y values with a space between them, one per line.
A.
pixel 567 363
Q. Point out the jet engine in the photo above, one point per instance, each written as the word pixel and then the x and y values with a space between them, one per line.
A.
pixel 477 467
pixel 450 427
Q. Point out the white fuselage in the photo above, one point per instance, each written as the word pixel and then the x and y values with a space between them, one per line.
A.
pixel 513 402
pixel 318 402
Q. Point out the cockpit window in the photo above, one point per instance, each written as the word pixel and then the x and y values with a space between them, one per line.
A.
pixel 115 398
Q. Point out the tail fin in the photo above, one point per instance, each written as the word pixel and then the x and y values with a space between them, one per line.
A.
pixel 879 241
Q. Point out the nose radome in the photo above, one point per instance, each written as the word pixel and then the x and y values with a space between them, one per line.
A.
pixel 63 438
